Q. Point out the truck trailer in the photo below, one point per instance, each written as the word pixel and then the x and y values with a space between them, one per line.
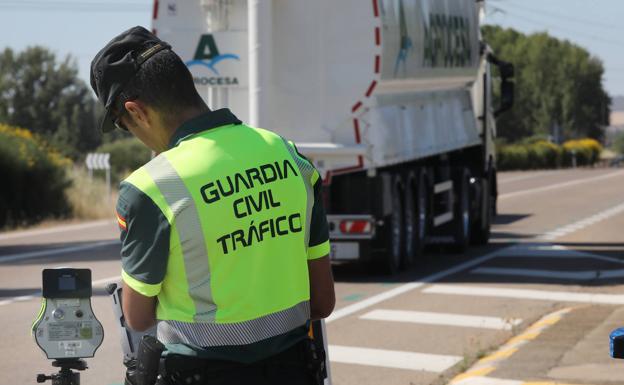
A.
pixel 390 99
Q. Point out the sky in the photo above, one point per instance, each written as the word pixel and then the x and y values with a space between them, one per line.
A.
pixel 82 27
pixel 77 27
pixel 595 25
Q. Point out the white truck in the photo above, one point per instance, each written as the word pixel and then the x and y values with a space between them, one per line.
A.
pixel 391 100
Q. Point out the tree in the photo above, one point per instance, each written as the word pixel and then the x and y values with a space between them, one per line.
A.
pixel 45 95
pixel 557 84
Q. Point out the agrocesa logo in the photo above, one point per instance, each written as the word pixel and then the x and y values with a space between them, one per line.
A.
pixel 207 55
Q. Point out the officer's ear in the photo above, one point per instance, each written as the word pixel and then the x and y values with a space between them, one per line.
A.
pixel 139 113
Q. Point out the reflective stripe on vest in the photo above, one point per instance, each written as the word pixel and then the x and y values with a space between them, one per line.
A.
pixel 241 333
pixel 307 171
pixel 190 232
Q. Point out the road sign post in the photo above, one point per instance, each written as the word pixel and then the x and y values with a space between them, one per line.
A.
pixel 99 161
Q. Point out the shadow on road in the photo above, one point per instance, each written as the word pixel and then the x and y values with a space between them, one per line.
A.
pixel 9 293
pixel 575 264
pixel 59 253
pixel 506 219
pixel 36 291
pixel 530 262
pixel 505 235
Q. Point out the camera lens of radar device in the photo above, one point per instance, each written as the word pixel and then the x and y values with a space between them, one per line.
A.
pixel 66 328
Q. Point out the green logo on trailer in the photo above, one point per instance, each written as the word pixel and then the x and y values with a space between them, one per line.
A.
pixel 207 55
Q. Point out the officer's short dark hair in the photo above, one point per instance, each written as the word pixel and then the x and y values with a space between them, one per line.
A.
pixel 164 83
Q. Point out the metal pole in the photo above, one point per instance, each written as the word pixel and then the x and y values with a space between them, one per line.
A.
pixel 108 184
pixel 328 380
pixel 260 54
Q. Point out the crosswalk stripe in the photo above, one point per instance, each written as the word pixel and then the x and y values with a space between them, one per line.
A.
pixel 407 287
pixel 447 319
pixel 392 358
pixel 564 296
pixel 585 275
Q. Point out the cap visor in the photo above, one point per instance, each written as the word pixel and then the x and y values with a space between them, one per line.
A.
pixel 107 124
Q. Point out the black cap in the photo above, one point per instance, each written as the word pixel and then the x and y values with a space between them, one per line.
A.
pixel 118 62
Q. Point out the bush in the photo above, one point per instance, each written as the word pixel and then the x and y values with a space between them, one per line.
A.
pixel 587 151
pixel 548 155
pixel 541 154
pixel 126 155
pixel 512 157
pixel 33 176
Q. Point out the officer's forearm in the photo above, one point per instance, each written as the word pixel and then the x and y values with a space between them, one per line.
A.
pixel 139 310
pixel 322 295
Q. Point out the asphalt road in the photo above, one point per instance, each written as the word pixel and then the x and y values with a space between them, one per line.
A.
pixel 534 306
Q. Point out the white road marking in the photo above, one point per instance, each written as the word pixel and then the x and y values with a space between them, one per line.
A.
pixel 519 178
pixel 56 229
pixel 554 251
pixel 21 298
pixel 97 284
pixel 61 250
pixel 583 223
pixel 354 308
pixel 447 319
pixel 105 280
pixel 478 380
pixel 392 358
pixel 585 275
pixel 560 185
pixel 501 292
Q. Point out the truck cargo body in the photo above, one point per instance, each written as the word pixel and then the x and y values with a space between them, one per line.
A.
pixel 389 98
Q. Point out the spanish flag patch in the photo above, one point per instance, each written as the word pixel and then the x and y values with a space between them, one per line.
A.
pixel 122 222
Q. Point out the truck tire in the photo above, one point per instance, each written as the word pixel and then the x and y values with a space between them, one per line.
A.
pixel 480 232
pixel 416 217
pixel 461 210
pixel 388 261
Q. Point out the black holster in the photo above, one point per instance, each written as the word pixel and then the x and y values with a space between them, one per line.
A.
pixel 315 361
pixel 146 368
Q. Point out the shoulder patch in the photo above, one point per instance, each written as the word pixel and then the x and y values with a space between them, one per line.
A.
pixel 121 221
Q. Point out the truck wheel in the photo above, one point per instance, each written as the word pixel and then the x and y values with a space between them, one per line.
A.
pixel 461 210
pixel 388 261
pixel 480 231
pixel 397 228
pixel 416 217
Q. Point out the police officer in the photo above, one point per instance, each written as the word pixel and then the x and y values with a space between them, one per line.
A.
pixel 224 237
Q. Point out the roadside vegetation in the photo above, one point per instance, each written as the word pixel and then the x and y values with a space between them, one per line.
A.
pixel 559 91
pixel 560 106
pixel 542 154
pixel 48 123
pixel 39 183
pixel 33 177
pixel 88 196
pixel 126 155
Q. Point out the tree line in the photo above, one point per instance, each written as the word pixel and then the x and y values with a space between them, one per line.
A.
pixel 558 84
pixel 43 93
pixel 558 87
